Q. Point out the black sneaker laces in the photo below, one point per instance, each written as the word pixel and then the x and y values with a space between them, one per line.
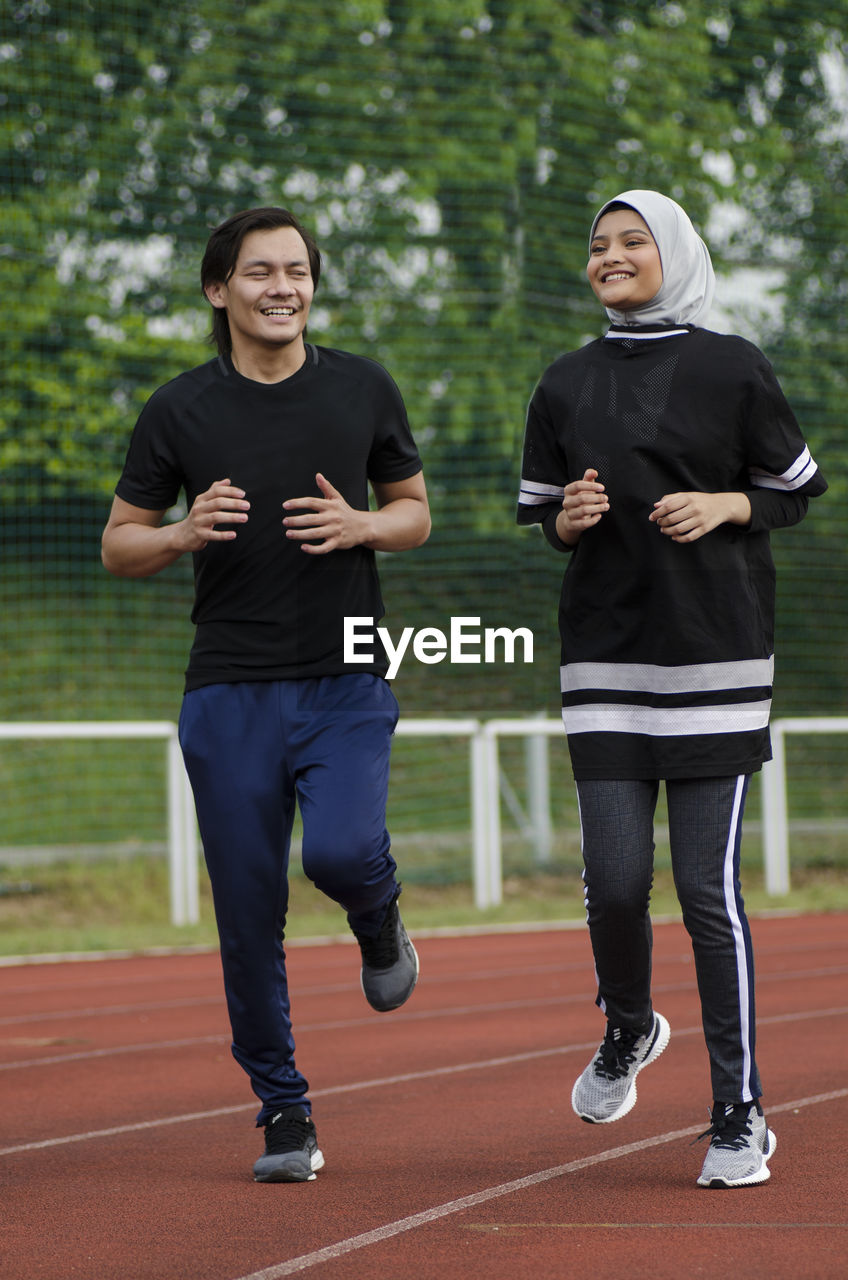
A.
pixel 730 1126
pixel 288 1131
pixel 381 952
pixel 617 1052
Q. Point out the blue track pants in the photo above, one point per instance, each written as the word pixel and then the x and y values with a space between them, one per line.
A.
pixel 252 751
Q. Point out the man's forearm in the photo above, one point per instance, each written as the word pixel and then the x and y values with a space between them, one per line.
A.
pixel 139 551
pixel 398 526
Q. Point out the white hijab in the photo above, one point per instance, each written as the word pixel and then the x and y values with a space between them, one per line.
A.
pixel 686 293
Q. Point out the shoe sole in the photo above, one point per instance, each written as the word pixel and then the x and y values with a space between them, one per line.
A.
pixel 660 1043
pixel 753 1179
pixel 388 1008
pixel 282 1174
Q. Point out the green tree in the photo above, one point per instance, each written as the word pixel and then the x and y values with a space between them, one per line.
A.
pixel 449 156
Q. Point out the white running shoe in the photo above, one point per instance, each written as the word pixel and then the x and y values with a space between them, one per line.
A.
pixel 606 1090
pixel 741 1145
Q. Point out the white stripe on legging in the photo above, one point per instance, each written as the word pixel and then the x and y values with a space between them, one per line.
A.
pixel 739 938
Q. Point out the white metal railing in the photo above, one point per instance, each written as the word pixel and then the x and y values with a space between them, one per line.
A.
pixel 486 786
pixel 775 807
pixel 182 829
pixel 536 729
pixel 775 802
pixel 447 727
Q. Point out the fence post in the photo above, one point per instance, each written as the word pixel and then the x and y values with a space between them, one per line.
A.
pixel 775 817
pixel 537 757
pixel 480 819
pixel 183 851
pixel 178 877
pixel 189 842
pixel 494 860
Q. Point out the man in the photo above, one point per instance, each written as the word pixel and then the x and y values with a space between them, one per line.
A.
pixel 275 442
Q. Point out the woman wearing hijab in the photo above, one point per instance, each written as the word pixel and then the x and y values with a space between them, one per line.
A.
pixel 659 456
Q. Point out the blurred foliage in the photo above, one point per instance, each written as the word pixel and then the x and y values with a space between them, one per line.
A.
pixel 449 156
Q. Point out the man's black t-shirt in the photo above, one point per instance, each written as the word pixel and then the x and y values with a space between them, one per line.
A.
pixel 264 609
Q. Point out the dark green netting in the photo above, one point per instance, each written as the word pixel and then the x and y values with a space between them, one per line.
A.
pixel 448 154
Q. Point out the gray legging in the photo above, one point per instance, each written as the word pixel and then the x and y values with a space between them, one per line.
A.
pixel 705 826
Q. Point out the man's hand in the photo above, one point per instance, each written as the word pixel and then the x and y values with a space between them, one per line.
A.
pixel 136 544
pixel 685 517
pixel 583 503
pixel 329 517
pixel 222 503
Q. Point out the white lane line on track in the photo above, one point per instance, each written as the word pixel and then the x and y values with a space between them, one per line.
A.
pixel 358 1086
pixel 441 979
pixel 459 1011
pixel 88 1055
pixel 474 931
pixel 108 1011
pixel 84 1055
pixel 354 1087
pixel 423 1219
pixel 348 1024
pixel 369 1020
pixel 341 1024
pixel 338 988
pixel 513 1228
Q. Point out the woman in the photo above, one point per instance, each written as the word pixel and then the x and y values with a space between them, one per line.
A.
pixel 660 456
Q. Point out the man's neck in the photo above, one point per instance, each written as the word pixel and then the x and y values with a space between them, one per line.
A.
pixel 272 364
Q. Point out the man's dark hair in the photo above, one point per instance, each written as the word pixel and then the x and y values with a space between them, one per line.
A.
pixel 222 251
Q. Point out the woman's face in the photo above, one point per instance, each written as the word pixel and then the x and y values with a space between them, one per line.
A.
pixel 624 267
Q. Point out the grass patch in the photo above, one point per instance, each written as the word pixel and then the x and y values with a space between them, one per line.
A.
pixel 77 645
pixel 122 904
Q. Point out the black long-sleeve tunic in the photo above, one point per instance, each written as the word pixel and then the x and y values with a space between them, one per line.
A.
pixel 667 648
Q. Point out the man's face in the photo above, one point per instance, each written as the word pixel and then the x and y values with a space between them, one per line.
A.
pixel 268 296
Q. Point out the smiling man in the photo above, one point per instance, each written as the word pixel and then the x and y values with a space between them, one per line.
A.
pixel 275 443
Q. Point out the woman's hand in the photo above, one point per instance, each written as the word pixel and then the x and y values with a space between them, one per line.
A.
pixel 685 517
pixel 583 503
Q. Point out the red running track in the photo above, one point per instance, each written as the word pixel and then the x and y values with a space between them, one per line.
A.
pixel 127 1129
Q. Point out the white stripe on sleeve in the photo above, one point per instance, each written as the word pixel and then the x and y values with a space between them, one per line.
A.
pixel 802 470
pixel 534 494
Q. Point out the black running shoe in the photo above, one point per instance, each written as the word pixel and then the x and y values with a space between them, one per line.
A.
pixel 291 1149
pixel 389 964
